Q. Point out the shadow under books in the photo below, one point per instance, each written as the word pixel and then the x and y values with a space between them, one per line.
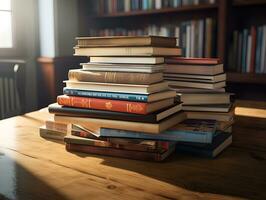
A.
pixel 205 175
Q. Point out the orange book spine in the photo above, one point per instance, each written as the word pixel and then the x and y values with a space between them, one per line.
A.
pixel 103 104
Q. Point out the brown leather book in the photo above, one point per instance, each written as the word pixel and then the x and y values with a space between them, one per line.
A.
pixel 114 77
pixel 126 41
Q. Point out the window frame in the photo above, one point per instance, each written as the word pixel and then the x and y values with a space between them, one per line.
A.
pixel 11 51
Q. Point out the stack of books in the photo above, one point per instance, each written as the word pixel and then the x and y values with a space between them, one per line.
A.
pixel 121 89
pixel 199 83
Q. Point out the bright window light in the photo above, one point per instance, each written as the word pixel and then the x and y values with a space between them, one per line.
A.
pixel 6 24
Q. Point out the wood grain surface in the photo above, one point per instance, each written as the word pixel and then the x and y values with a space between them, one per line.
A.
pixel 35 168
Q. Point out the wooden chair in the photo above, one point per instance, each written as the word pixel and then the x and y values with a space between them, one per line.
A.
pixel 12 88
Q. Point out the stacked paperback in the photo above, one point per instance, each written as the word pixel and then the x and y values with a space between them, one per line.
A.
pixel 199 83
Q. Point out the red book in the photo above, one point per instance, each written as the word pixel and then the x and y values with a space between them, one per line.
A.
pixel 137 155
pixel 193 61
pixel 113 105
pixel 253 48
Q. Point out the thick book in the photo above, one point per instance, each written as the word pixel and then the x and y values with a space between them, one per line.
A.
pixel 201 131
pixel 219 116
pixel 196 78
pixel 114 105
pixel 193 61
pixel 220 142
pixel 197 84
pixel 120 143
pixel 121 96
pixel 115 87
pixel 113 41
pixel 210 108
pixel 56 126
pixel 51 134
pixel 128 60
pixel 130 154
pixel 194 69
pixel 127 51
pixel 94 124
pixel 137 68
pixel 114 77
pixel 204 99
pixel 149 118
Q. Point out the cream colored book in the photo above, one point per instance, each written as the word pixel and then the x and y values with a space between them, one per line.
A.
pixel 113 87
pixel 94 124
pixel 197 84
pixel 128 60
pixel 127 51
pixel 196 78
pixel 203 99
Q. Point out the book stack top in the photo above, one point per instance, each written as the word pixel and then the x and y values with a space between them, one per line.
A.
pixel 122 87
pixel 199 83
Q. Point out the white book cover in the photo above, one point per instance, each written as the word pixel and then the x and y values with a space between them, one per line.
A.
pixel 192 37
pixel 127 5
pixel 248 58
pixel 158 4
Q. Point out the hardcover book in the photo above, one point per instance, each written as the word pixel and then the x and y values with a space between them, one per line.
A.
pixel 51 134
pixel 197 84
pixel 81 112
pixel 121 96
pixel 201 131
pixel 194 69
pixel 114 77
pixel 114 105
pixel 137 68
pixel 196 78
pixel 210 108
pixel 127 51
pixel 193 61
pixel 94 124
pixel 220 142
pixel 113 41
pixel 121 88
pixel 130 154
pixel 204 99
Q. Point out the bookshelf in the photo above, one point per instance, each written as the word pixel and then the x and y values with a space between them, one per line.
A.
pixel 228 15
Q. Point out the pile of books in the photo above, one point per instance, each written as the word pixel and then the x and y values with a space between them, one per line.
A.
pixel 120 92
pixel 119 104
pixel 199 83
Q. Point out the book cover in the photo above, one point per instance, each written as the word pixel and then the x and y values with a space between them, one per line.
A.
pixel 129 154
pixel 220 142
pixel 120 96
pixel 193 61
pixel 81 112
pixel 114 77
pixel 113 105
pixel 94 124
pixel 201 131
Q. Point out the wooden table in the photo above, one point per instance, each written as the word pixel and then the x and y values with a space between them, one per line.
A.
pixel 34 168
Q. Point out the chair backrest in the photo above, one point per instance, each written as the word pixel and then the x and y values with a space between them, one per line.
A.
pixel 12 88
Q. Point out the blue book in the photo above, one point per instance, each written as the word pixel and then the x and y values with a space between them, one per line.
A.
pixel 121 96
pixel 106 95
pixel 198 131
pixel 258 49
pixel 244 50
pixel 220 142
pixel 145 4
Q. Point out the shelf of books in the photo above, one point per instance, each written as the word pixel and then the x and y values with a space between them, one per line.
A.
pixel 242 45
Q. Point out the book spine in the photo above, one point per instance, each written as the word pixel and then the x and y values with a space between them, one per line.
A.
pixel 137 155
pixel 263 49
pixel 105 95
pixel 253 49
pixel 103 104
pixel 258 49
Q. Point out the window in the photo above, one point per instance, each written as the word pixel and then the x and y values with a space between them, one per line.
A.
pixel 5 24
